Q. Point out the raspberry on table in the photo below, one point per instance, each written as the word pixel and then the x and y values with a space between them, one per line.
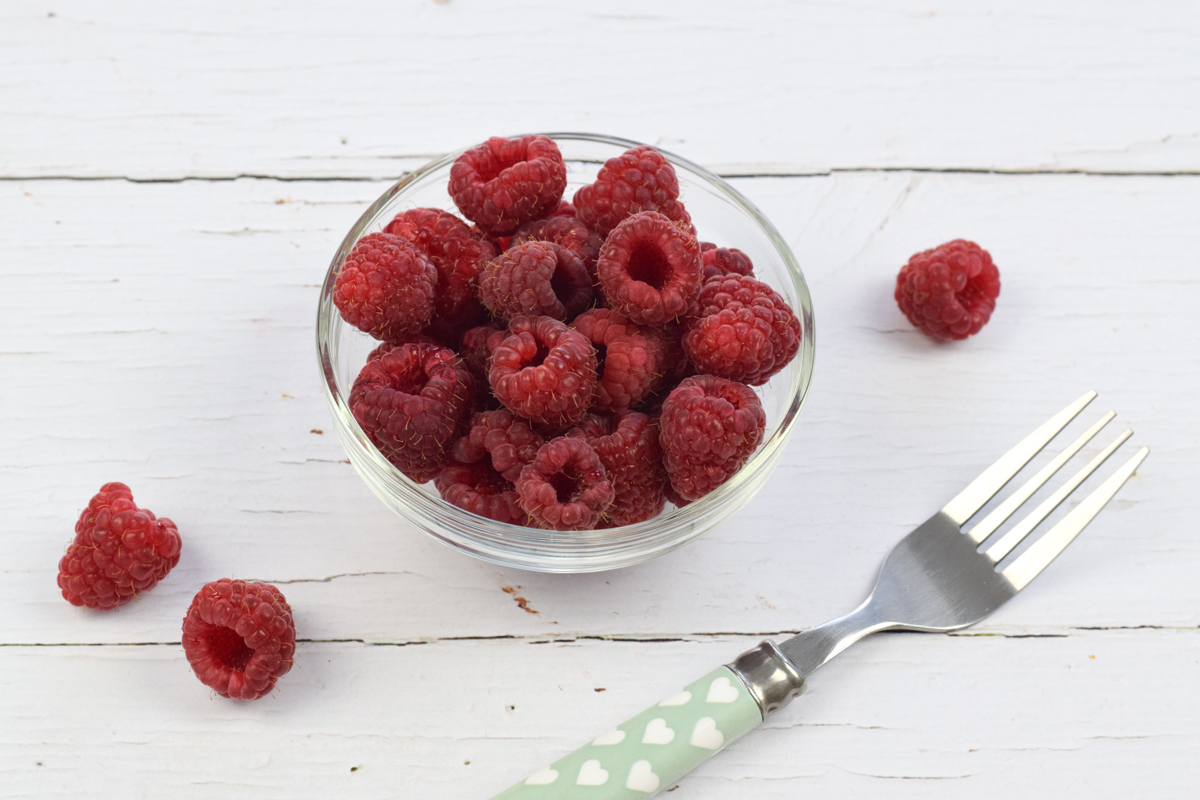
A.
pixel 709 428
pixel 458 255
pixel 544 371
pixel 504 182
pixel 410 402
pixel 119 551
pixel 570 233
pixel 480 489
pixel 565 487
pixel 629 358
pixel 239 637
pixel 949 292
pixel 386 287
pixel 640 179
pixel 741 329
pixel 650 269
pixel 507 439
pixel 724 261
pixel 536 278
pixel 628 447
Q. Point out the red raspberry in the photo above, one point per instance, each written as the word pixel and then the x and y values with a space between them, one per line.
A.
pixel 742 330
pixel 544 371
pixel 458 255
pixel 570 233
pixel 410 403
pixel 410 338
pixel 629 359
pixel 627 444
pixel 505 437
pixel 504 182
pixel 640 179
pixel 386 287
pixel 949 292
pixel 537 278
pixel 477 346
pixel 650 269
pixel 239 637
pixel 481 490
pixel 119 551
pixel 565 488
pixel 710 426
pixel 724 261
pixel 564 209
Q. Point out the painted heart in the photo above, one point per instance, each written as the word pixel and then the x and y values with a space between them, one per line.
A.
pixel 615 736
pixel 591 774
pixel 542 777
pixel 706 735
pixel 720 691
pixel 677 699
pixel 657 732
pixel 642 778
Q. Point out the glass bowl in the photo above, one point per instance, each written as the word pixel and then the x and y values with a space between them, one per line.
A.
pixel 721 215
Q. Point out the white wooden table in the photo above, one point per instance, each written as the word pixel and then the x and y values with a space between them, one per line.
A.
pixel 174 179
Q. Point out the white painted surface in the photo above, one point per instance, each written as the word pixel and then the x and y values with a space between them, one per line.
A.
pixel 161 334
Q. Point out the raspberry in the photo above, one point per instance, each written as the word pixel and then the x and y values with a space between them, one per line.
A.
pixel 724 261
pixel 629 359
pixel 564 209
pixel 477 346
pixel 949 292
pixel 536 278
pixel 570 233
pixel 119 551
pixel 640 179
pixel 627 444
pixel 410 403
pixel 544 371
pixel 742 330
pixel 386 287
pixel 458 255
pixel 481 490
pixel 409 338
pixel 508 439
pixel 565 487
pixel 709 427
pixel 650 269
pixel 239 637
pixel 504 182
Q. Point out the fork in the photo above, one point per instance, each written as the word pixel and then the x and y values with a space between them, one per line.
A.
pixel 938 578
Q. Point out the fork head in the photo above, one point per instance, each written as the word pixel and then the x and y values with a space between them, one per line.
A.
pixel 938 579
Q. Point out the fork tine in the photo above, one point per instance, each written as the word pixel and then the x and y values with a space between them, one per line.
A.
pixel 1019 531
pixel 992 480
pixel 988 525
pixel 1030 563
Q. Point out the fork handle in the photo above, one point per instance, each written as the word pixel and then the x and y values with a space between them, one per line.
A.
pixel 650 752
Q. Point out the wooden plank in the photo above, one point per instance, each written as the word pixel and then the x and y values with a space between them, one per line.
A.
pixel 161 334
pixel 165 91
pixel 1111 714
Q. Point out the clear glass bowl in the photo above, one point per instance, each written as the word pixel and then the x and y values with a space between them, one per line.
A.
pixel 721 215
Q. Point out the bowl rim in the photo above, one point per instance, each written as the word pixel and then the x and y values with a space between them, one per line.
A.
pixel 562 551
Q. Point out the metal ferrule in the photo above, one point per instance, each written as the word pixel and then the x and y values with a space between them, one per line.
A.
pixel 771 678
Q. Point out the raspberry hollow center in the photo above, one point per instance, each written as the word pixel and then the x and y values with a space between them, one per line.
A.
pixel 229 648
pixel 566 485
pixel 539 355
pixel 650 266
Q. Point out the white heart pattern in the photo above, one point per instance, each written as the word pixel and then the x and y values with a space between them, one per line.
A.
pixel 706 735
pixel 590 774
pixel 677 699
pixel 657 732
pixel 615 736
pixel 542 777
pixel 642 778
pixel 720 691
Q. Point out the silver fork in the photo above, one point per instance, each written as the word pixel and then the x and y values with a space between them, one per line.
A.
pixel 937 578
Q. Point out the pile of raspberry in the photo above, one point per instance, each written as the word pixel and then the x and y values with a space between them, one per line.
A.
pixel 561 365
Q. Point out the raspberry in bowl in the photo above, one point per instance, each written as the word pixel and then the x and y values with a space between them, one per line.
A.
pixel 594 287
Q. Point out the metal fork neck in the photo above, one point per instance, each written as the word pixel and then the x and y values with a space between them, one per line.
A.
pixel 811 649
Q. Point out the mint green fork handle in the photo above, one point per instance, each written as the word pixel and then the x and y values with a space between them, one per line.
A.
pixel 650 752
